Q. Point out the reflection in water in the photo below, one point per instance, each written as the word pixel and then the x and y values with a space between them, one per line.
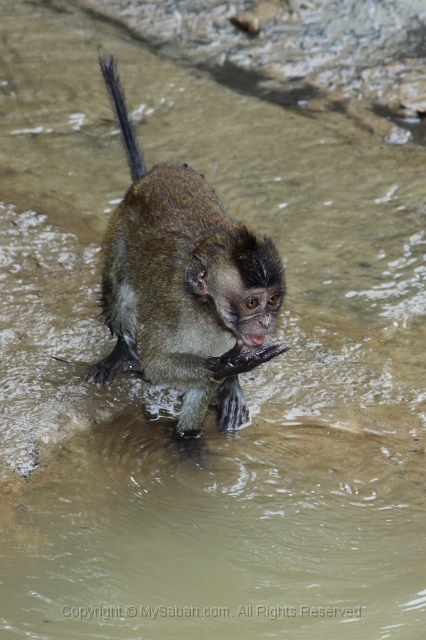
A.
pixel 319 502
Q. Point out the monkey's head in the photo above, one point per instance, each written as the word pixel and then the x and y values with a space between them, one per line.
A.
pixel 242 274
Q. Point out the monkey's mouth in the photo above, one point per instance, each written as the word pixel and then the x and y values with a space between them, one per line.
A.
pixel 253 341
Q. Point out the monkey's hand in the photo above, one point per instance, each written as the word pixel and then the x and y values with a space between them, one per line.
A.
pixel 236 361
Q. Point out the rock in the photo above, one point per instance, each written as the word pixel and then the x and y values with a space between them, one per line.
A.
pixel 400 86
pixel 267 11
pixel 398 135
pixel 251 21
pixel 247 22
pixel 412 96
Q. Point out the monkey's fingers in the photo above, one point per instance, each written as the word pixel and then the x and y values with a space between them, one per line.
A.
pixel 232 353
pixel 120 360
pixel 217 365
pixel 233 414
pixel 248 360
pixel 233 410
pixel 244 361
pixel 265 353
pixel 99 374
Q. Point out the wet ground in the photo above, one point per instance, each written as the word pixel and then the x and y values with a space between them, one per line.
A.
pixel 291 50
pixel 320 502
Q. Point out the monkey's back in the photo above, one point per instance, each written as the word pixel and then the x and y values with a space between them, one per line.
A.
pixel 177 196
pixel 167 213
pixel 152 236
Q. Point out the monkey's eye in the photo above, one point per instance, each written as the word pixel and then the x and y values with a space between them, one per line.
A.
pixel 273 300
pixel 252 303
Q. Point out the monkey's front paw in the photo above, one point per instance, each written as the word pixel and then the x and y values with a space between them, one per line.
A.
pixel 236 361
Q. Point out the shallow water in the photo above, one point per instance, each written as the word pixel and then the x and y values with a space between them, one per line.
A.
pixel 320 502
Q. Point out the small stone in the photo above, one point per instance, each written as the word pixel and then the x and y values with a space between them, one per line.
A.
pixel 246 22
pixel 267 11
pixel 412 96
pixel 398 135
pixel 251 21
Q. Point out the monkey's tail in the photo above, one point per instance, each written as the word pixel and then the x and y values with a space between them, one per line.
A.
pixel 134 154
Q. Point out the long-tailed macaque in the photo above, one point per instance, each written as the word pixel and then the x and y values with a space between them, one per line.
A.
pixel 198 290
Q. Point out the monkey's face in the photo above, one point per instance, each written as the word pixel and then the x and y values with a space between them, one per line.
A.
pixel 255 314
pixel 251 314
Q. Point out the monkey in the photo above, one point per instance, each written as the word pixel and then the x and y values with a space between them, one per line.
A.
pixel 196 288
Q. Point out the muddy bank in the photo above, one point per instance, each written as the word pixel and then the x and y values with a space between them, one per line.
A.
pixel 290 51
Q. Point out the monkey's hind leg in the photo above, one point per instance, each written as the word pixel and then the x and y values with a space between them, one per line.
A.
pixel 121 359
pixel 120 313
pixel 231 405
pixel 194 408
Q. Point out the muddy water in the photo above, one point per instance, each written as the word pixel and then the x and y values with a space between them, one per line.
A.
pixel 309 521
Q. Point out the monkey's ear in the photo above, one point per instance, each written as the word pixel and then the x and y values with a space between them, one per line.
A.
pixel 196 275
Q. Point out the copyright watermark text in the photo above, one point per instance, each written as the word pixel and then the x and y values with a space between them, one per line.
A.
pixel 109 612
